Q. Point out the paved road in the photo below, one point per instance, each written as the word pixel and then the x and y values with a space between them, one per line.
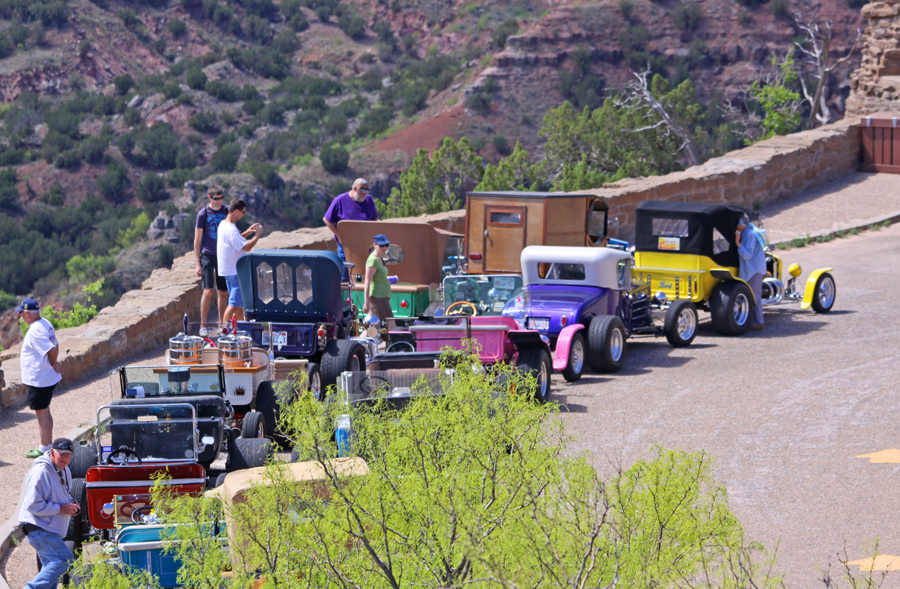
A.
pixel 784 411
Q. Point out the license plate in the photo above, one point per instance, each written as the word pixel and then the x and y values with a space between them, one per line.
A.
pixel 539 323
pixel 279 338
pixel 504 283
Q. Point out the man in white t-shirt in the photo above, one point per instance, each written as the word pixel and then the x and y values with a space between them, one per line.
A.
pixel 231 244
pixel 40 370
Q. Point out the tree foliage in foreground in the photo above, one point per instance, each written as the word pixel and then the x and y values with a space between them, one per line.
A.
pixel 475 488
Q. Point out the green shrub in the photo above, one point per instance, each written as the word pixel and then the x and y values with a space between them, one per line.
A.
pixel 503 32
pixel 123 84
pixel 334 158
pixel 222 90
pixel 54 196
pixel 128 17
pixel 68 159
pixel 114 181
pixel 184 99
pixel 84 47
pixel 166 256
pixel 155 148
pixel 253 106
pixel 264 173
pixel 195 79
pixel 131 116
pixel 205 122
pixel 501 144
pixel 18 33
pixel 171 90
pixel 286 42
pixel 136 231
pixel 226 158
pixel 354 26
pixel 93 149
pixel 7 301
pixel 88 267
pixel 780 7
pixel 688 14
pixel 177 28
pixel 298 22
pixel 152 189
pixel 10 200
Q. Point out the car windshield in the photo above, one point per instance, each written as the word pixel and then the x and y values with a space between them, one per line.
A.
pixel 165 381
pixel 154 432
pixel 395 387
pixel 489 294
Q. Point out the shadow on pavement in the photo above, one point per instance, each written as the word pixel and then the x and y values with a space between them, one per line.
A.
pixel 783 323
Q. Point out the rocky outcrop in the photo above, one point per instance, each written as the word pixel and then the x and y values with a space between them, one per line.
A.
pixel 875 86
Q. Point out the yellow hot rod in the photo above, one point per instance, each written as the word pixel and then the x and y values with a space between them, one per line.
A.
pixel 687 254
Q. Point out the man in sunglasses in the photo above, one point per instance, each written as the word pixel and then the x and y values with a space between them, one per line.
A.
pixel 356 205
pixel 206 232
pixel 47 506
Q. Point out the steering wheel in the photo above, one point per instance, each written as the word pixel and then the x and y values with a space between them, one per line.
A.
pixel 138 517
pixel 462 308
pixel 125 451
pixel 367 388
pixel 400 347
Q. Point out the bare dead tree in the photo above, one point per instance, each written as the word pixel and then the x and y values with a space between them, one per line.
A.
pixel 637 95
pixel 818 54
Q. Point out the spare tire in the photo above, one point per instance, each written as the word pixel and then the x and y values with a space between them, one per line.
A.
pixel 82 459
pixel 341 356
pixel 731 306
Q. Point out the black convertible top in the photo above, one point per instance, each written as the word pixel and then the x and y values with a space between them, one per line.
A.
pixel 706 223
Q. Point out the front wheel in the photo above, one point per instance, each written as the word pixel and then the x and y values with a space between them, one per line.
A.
pixel 680 326
pixel 606 344
pixel 575 365
pixel 536 362
pixel 823 296
pixel 314 381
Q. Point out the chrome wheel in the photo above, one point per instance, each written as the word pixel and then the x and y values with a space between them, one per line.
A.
pixel 616 344
pixel 315 386
pixel 577 356
pixel 826 292
pixel 544 382
pixel 741 309
pixel 687 323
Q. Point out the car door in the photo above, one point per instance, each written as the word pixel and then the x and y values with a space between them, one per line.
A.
pixel 504 237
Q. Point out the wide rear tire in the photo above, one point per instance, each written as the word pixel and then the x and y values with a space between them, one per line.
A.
pixel 606 344
pixel 680 326
pixel 339 357
pixel 249 453
pixel 731 306
pixel 253 426
pixel 825 293
pixel 575 365
pixel 536 362
pixel 267 405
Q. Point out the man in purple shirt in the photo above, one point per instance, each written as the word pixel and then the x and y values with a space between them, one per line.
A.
pixel 206 230
pixel 356 205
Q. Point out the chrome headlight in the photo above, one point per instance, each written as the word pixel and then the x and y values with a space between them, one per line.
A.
pixel 660 298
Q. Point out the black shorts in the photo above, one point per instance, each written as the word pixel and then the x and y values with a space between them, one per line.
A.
pixel 39 397
pixel 209 278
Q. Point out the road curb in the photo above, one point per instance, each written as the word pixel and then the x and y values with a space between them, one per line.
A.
pixel 9 531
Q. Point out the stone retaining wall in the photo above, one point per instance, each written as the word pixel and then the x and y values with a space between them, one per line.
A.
pixel 755 176
pixel 146 318
pixel 750 177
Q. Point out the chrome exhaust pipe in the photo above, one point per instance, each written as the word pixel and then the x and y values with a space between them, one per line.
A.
pixel 772 291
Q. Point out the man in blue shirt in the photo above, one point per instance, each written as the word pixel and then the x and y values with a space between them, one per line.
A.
pixel 753 266
pixel 206 231
pixel 356 205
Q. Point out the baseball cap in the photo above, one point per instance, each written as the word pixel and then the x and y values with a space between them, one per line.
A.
pixel 28 305
pixel 380 239
pixel 63 445
pixel 361 185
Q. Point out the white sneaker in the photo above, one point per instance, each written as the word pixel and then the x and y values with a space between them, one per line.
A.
pixel 204 332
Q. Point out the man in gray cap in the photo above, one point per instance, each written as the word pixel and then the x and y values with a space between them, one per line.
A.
pixel 46 509
pixel 356 205
pixel 751 249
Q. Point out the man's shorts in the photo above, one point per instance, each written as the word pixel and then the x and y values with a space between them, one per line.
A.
pixel 39 397
pixel 208 277
pixel 234 292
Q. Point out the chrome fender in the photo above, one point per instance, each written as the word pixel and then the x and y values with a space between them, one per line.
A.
pixel 563 344
pixel 810 291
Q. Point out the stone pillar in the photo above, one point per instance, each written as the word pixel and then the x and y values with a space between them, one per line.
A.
pixel 875 86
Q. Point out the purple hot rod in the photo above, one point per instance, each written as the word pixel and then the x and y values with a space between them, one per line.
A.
pixel 587 302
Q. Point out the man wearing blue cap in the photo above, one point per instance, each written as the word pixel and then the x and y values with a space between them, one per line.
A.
pixel 40 369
